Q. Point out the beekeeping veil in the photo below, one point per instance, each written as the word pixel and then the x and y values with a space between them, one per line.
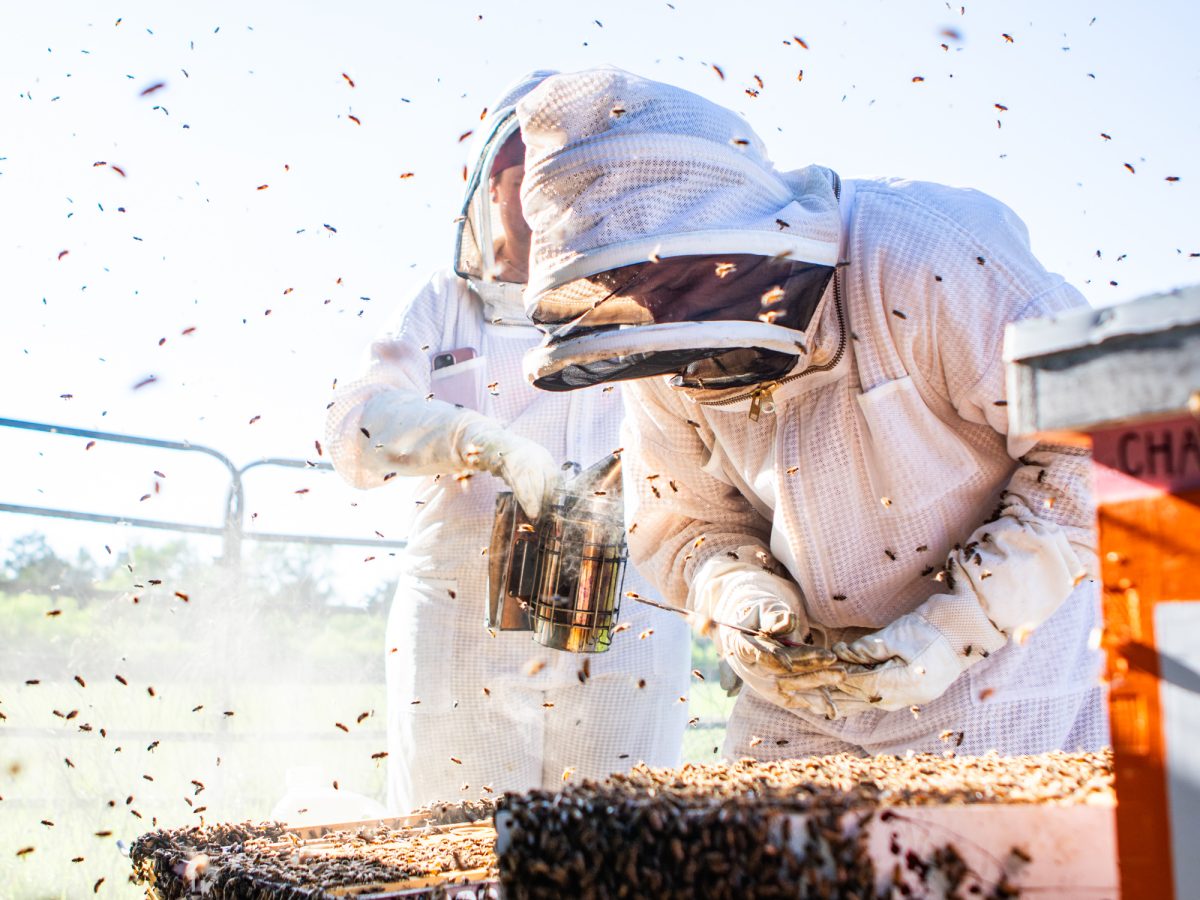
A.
pixel 664 240
pixel 479 224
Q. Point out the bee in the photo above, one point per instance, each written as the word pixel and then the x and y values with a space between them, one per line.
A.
pixel 898 314
pixel 380 755
pixel 886 501
pixel 725 268
pixel 774 295
pixel 1008 38
pixel 645 634
pixel 466 134
pixel 617 111
pixel 341 726
pixel 839 597
pixel 927 571
pixel 755 741
pixel 355 119
pixel 1001 107
pixel 782 224
pixel 917 79
pixel 349 80
pixel 980 260
pixel 891 554
pixel 717 69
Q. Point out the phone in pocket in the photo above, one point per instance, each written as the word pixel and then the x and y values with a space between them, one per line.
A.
pixel 456 376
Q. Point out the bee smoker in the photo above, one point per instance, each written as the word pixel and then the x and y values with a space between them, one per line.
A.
pixel 560 577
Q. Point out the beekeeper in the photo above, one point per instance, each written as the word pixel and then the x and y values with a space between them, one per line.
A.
pixel 442 397
pixel 814 368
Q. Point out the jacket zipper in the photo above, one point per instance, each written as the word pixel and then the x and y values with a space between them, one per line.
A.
pixel 762 394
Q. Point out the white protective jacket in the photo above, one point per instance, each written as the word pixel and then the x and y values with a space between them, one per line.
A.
pixel 471 711
pixel 886 466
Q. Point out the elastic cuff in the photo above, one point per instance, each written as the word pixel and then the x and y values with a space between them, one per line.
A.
pixel 967 629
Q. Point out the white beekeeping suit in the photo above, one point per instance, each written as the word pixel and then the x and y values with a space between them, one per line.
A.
pixel 838 442
pixel 472 711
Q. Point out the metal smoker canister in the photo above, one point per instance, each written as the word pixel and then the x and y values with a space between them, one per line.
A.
pixel 581 562
pixel 561 577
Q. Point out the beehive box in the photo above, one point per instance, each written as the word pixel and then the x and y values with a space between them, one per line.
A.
pixel 369 861
pixel 922 826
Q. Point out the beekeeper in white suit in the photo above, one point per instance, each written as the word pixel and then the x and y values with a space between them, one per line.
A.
pixel 472 711
pixel 819 381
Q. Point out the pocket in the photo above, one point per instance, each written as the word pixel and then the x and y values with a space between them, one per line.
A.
pixel 913 458
pixel 460 384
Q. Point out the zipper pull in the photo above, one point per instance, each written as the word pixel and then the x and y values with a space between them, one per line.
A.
pixel 761 398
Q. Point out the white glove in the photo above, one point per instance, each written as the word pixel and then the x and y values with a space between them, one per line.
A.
pixel 409 435
pixel 526 466
pixel 741 592
pixel 907 663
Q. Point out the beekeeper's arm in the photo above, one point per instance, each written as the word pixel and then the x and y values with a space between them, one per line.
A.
pixel 388 423
pixel 704 546
pixel 1025 558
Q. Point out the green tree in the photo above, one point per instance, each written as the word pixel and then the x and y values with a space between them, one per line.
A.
pixel 32 565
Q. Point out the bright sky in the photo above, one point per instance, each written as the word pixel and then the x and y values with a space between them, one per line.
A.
pixel 238 236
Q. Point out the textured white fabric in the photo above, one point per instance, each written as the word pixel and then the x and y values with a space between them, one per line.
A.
pixel 620 170
pixel 439 653
pixel 885 480
pixel 886 472
pixel 1065 722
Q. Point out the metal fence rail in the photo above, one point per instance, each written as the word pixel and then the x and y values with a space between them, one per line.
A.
pixel 232 531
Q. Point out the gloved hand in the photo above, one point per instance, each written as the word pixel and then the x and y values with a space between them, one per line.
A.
pixel 526 466
pixel 409 435
pixel 743 593
pixel 907 663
